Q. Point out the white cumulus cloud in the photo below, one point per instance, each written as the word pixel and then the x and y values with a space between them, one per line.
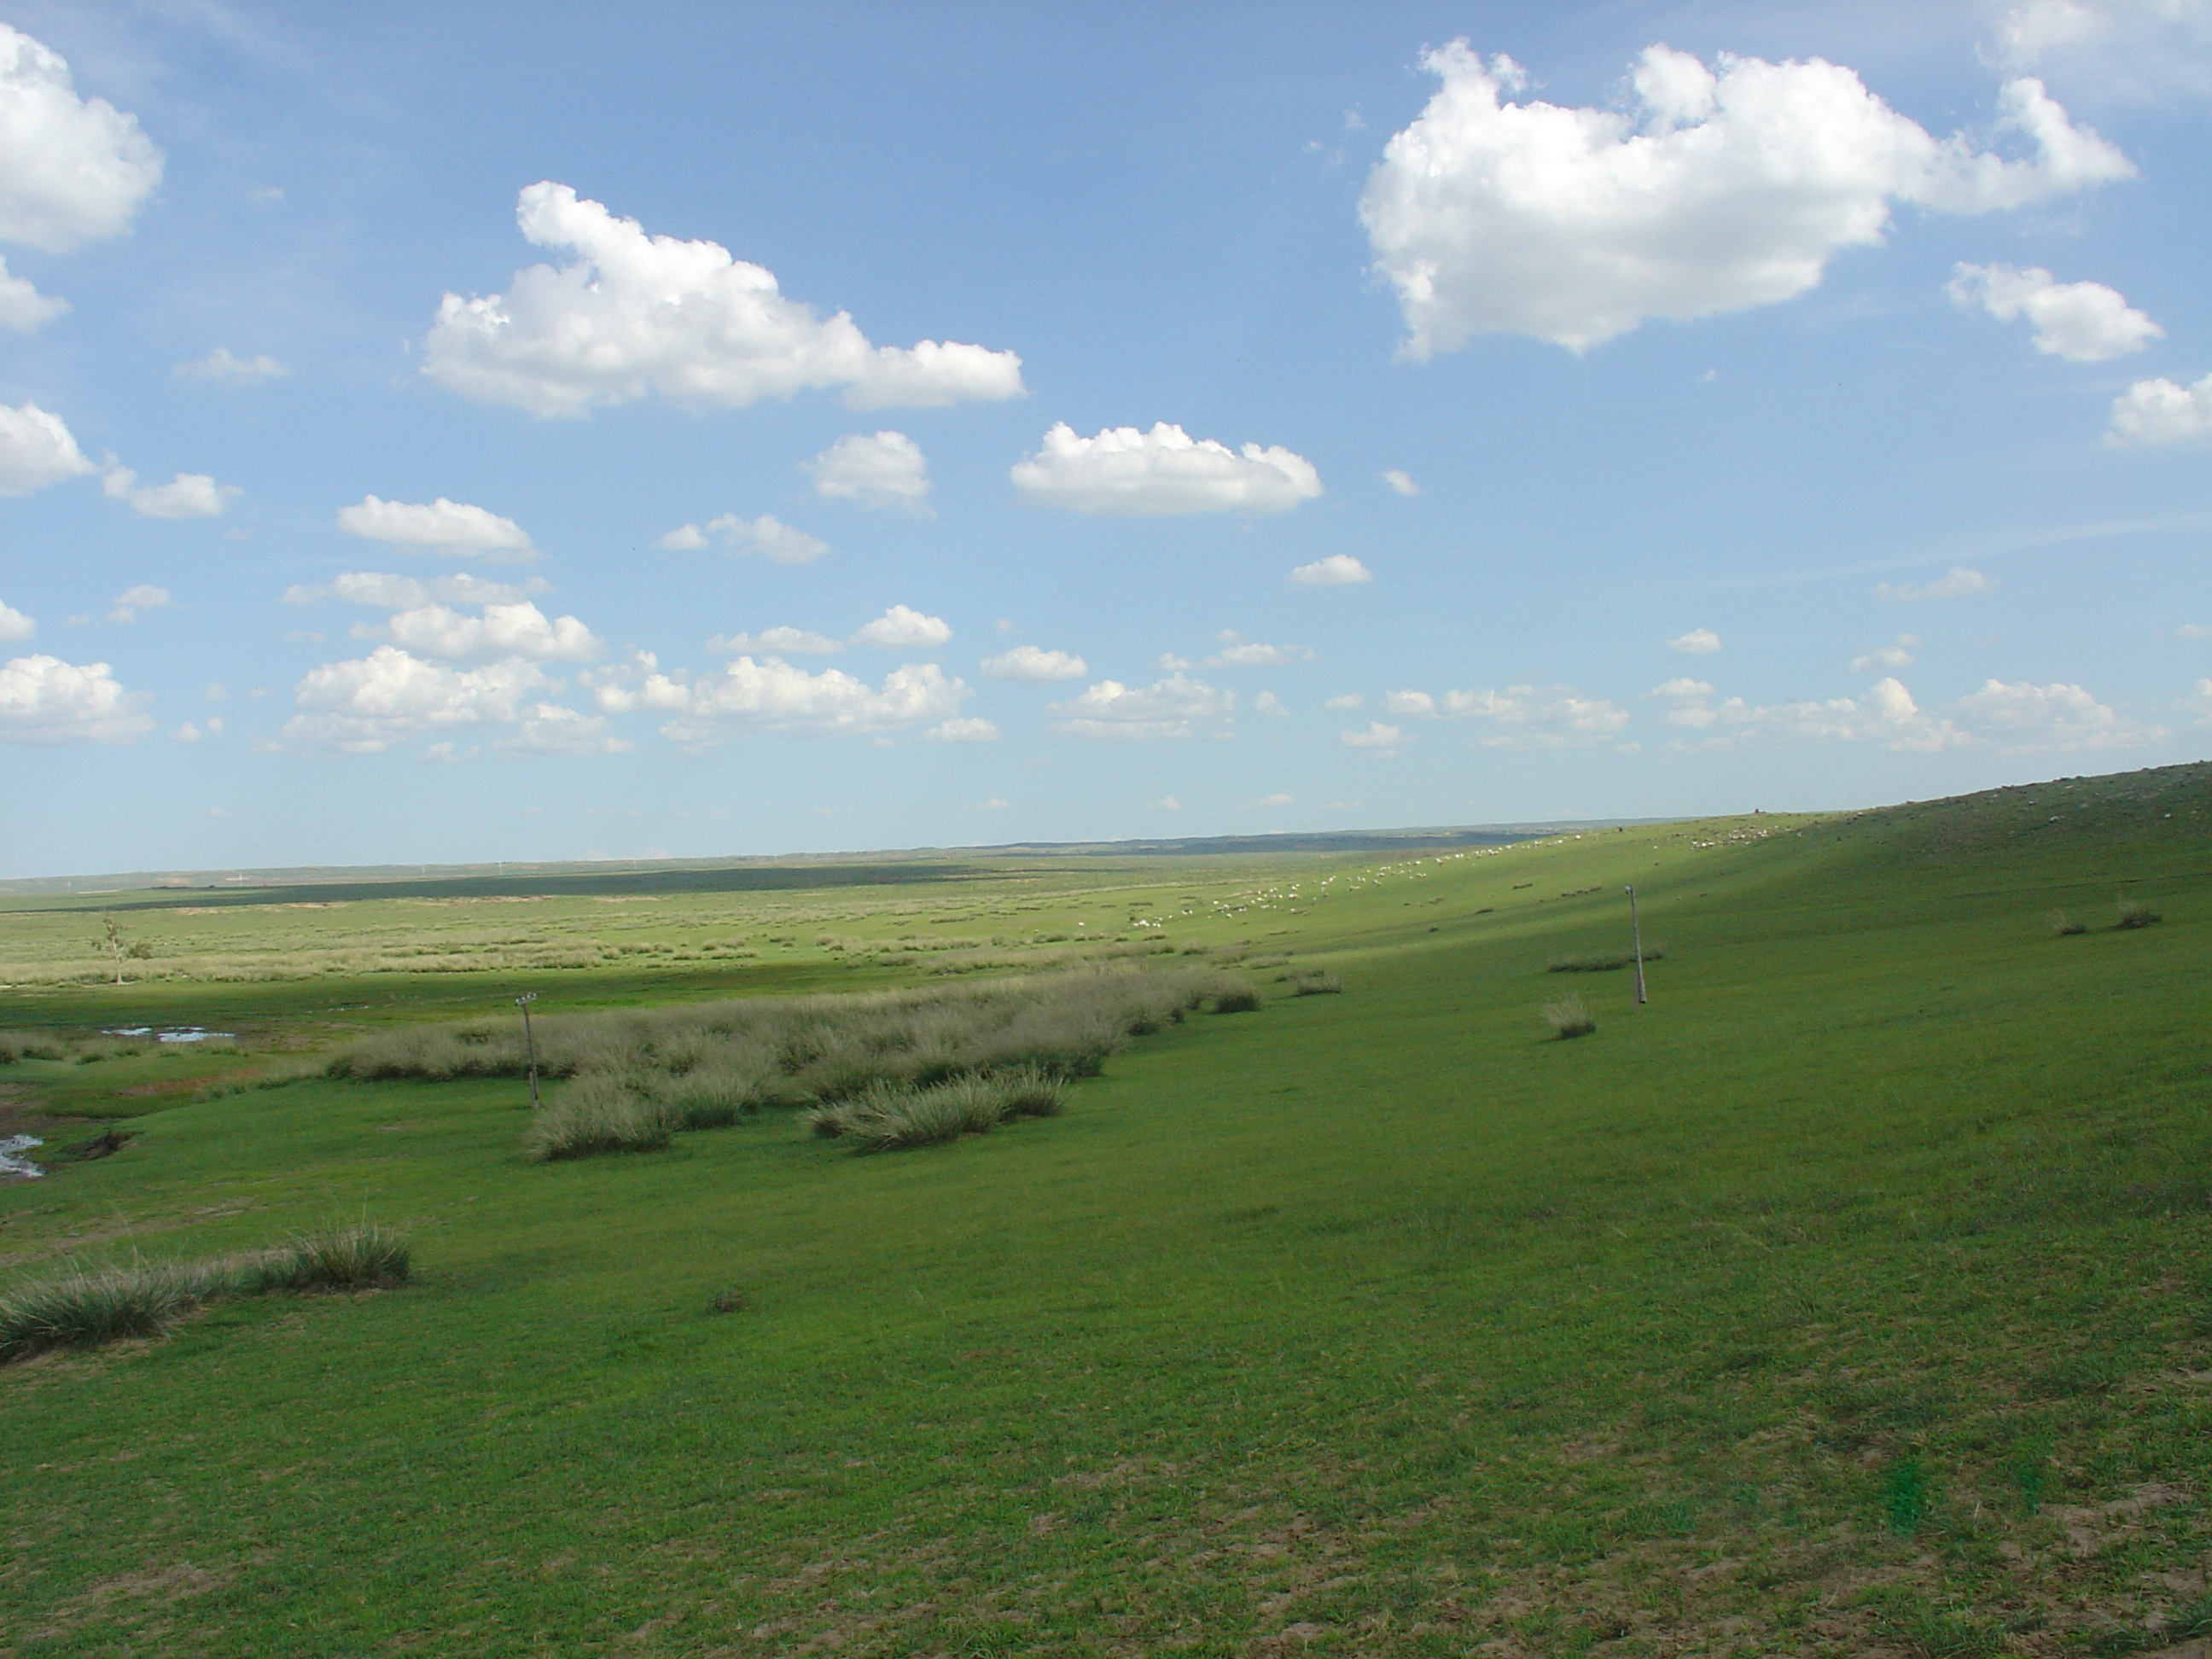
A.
pixel 1531 716
pixel 903 629
pixel 1268 703
pixel 771 695
pixel 442 526
pixel 368 704
pixel 387 591
pixel 1029 662
pixel 967 729
pixel 1237 651
pixel 187 495
pixel 517 629
pixel 1722 189
pixel 1402 482
pixel 2150 412
pixel 2023 717
pixel 768 536
pixel 633 315
pixel 777 642
pixel 220 367
pixel 1374 735
pixel 1958 583
pixel 1175 707
pixel 45 699
pixel 36 449
pixel 1698 642
pixel 22 307
pixel 72 170
pixel 550 728
pixel 1337 570
pixel 885 470
pixel 2139 50
pixel 2081 322
pixel 128 605
pixel 1897 653
pixel 1886 714
pixel 15 625
pixel 1124 470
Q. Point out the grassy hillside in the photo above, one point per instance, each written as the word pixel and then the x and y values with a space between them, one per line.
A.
pixel 1851 1297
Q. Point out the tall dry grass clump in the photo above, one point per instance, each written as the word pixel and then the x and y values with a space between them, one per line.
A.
pixel 1569 1017
pixel 885 1116
pixel 2134 913
pixel 83 1306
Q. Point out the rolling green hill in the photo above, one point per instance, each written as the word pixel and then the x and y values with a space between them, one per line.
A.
pixel 1852 1296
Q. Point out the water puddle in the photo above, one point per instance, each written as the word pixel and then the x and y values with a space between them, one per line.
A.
pixel 166 1034
pixel 12 1161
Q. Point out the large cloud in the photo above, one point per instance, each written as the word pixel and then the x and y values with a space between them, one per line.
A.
pixel 2159 411
pixel 36 449
pixel 2024 718
pixel 633 315
pixel 515 629
pixel 2018 717
pixel 441 526
pixel 1721 192
pixel 22 307
pixel 1177 707
pixel 371 702
pixel 1165 470
pixel 2081 322
pixel 45 699
pixel 71 170
pixel 771 695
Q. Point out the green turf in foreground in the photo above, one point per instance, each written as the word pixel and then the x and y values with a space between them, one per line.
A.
pixel 1851 1299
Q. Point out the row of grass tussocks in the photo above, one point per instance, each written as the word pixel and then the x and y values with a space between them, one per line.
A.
pixel 83 1306
pixel 878 1069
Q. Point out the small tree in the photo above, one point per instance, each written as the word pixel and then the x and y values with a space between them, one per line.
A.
pixel 115 945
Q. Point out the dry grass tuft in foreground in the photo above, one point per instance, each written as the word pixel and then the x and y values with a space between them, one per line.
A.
pixel 1568 1018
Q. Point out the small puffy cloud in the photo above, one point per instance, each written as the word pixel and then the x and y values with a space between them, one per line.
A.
pixel 1337 570
pixel 127 605
pixel 1165 470
pixel 15 625
pixel 1958 583
pixel 1167 803
pixel 72 170
pixel 366 705
pixel 885 470
pixel 36 448
pixel 684 538
pixel 548 728
pixel 1237 651
pixel 45 699
pixel 454 528
pixel 1277 799
pixel 1175 707
pixel 2149 413
pixel 1886 714
pixel 1409 702
pixel 1684 687
pixel 1402 482
pixel 777 642
pixel 518 629
pixel 901 629
pixel 1349 700
pixel 996 803
pixel 1268 703
pixel 1720 189
pixel 1377 735
pixel 187 495
pixel 386 591
pixel 768 536
pixel 2081 322
pixel 1897 653
pixel 220 367
pixel 22 307
pixel 1029 662
pixel 1537 717
pixel 2187 631
pixel 966 729
pixel 1698 642
pixel 633 315
pixel 774 696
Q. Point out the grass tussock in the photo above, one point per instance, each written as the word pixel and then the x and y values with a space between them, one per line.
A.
pixel 1601 962
pixel 2134 913
pixel 29 1045
pixel 1316 982
pixel 1569 1017
pixel 2063 926
pixel 885 1117
pixel 83 1306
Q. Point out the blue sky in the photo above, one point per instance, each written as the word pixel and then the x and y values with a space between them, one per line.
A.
pixel 451 434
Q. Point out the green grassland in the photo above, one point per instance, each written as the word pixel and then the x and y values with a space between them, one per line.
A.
pixel 1851 1297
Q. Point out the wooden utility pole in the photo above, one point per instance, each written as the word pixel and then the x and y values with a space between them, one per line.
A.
pixel 529 1037
pixel 1636 931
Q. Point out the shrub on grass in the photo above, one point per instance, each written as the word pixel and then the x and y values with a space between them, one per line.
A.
pixel 1235 999
pixel 2135 914
pixel 81 1306
pixel 2065 925
pixel 596 1114
pixel 885 1117
pixel 1568 1018
pixel 29 1045
pixel 1316 983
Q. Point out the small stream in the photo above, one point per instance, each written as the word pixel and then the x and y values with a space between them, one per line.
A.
pixel 167 1034
pixel 12 1161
